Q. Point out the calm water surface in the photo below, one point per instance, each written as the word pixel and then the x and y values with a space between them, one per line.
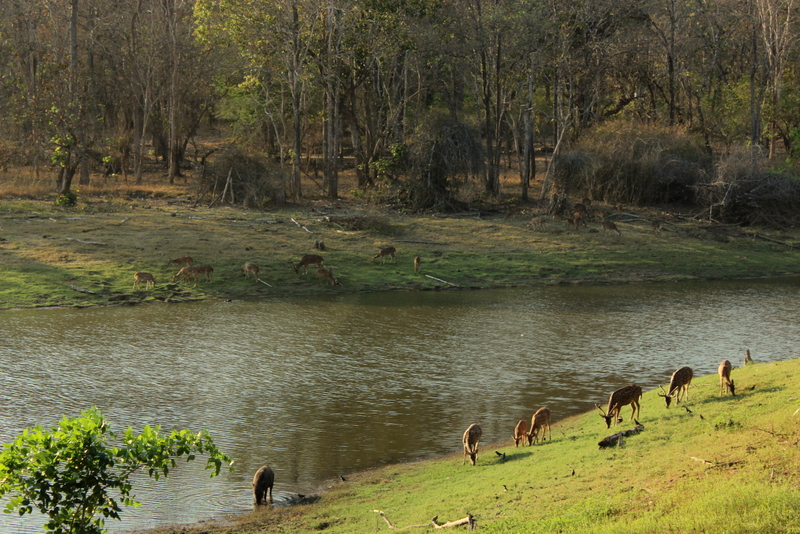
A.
pixel 324 386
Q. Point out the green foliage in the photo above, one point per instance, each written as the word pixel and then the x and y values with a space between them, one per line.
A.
pixel 67 200
pixel 69 472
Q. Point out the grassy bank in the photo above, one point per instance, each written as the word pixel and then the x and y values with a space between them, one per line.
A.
pixel 714 464
pixel 86 256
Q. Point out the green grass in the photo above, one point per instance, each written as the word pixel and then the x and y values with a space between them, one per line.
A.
pixel 729 465
pixel 45 249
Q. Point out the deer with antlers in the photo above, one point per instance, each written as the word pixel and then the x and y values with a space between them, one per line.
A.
pixel 725 382
pixel 678 386
pixel 308 259
pixel 621 397
pixel 520 432
pixel 471 439
pixel 539 422
pixel 388 251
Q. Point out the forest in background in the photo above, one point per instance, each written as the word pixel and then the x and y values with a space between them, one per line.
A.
pixel 687 102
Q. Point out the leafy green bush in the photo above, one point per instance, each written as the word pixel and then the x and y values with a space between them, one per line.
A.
pixel 67 472
pixel 67 200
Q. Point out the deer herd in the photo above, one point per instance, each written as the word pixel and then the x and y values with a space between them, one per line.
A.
pixel 626 396
pixel 189 271
pixel 579 215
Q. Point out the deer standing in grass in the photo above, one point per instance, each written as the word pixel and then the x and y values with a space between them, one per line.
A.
pixel 186 273
pixel 678 386
pixel 249 268
pixel 327 274
pixel 725 382
pixel 621 397
pixel 610 226
pixel 520 432
pixel 388 251
pixel 656 225
pixel 309 259
pixel 471 439
pixel 538 222
pixel 183 261
pixel 204 269
pixel 147 278
pixel 417 261
pixel 539 422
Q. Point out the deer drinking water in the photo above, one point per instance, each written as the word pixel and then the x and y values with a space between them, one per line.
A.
pixel 621 397
pixel 471 439
pixel 725 382
pixel 263 481
pixel 678 386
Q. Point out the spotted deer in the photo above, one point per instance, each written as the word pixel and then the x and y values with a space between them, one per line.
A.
pixel 610 226
pixel 183 260
pixel 206 270
pixel 539 422
pixel 538 222
pixel 621 397
pixel 520 432
pixel 471 439
pixel 186 273
pixel 388 251
pixel 249 268
pixel 308 259
pixel 725 382
pixel 678 386
pixel 147 278
pixel 327 274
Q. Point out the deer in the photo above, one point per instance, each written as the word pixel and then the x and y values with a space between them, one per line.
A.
pixel 725 382
pixel 309 259
pixel 520 432
pixel 183 260
pixel 263 481
pixel 678 385
pixel 621 397
pixel 249 268
pixel 539 421
pixel 471 439
pixel 610 226
pixel 599 214
pixel 580 208
pixel 186 272
pixel 417 261
pixel 147 278
pixel 537 222
pixel 388 251
pixel 204 269
pixel 656 226
pixel 323 273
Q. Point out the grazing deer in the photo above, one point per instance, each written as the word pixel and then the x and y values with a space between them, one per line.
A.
pixel 621 397
pixel 472 436
pixel 249 268
pixel 388 251
pixel 725 382
pixel 183 260
pixel 308 259
pixel 599 214
pixel 520 432
pixel 417 261
pixel 537 222
pixel 539 421
pixel 656 225
pixel 610 226
pixel 323 273
pixel 263 481
pixel 186 273
pixel 678 385
pixel 147 278
pixel 204 269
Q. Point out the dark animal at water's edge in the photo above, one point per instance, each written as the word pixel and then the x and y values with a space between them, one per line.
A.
pixel 262 485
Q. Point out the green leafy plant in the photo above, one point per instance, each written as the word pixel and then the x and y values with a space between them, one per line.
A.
pixel 67 200
pixel 68 472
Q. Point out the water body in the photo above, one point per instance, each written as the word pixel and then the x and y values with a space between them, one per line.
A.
pixel 324 386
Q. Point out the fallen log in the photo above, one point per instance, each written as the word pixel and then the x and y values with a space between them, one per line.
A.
pixel 469 520
pixel 80 289
pixel 616 439
pixel 443 281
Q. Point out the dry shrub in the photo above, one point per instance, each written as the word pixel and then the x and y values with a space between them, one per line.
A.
pixel 746 192
pixel 641 165
pixel 244 179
